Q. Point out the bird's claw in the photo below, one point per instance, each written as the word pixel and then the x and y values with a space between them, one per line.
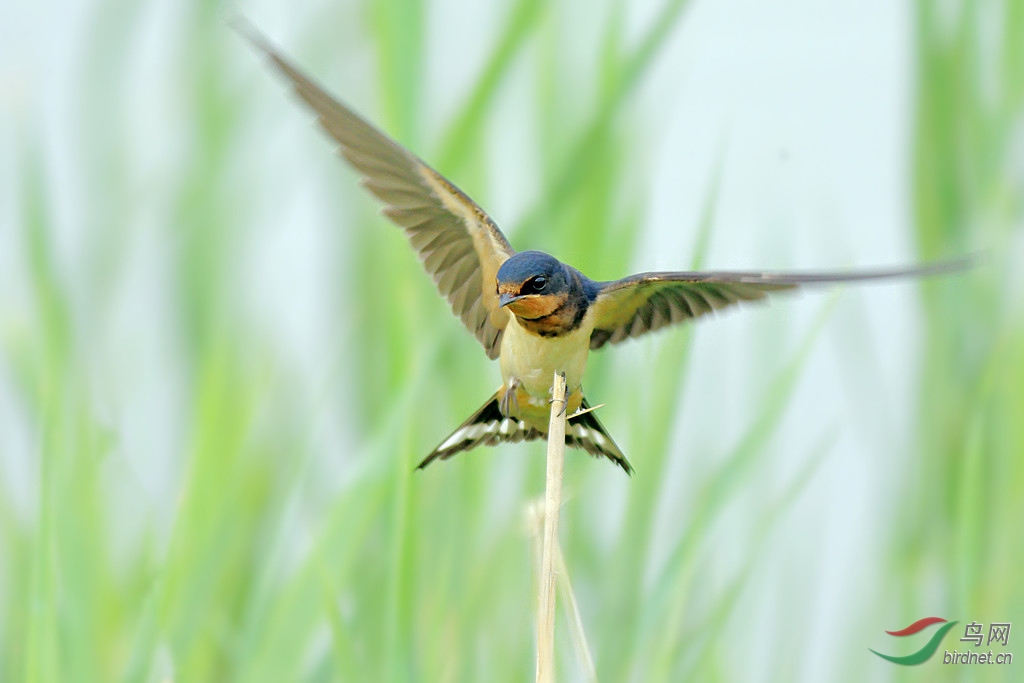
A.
pixel 565 399
pixel 510 401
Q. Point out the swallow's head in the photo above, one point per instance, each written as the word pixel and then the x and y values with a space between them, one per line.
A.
pixel 533 284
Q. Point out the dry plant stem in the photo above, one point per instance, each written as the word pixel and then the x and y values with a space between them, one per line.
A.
pixel 552 503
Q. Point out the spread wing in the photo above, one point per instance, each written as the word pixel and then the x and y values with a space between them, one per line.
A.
pixel 459 245
pixel 649 301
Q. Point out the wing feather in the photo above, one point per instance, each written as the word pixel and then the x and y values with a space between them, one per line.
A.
pixel 649 301
pixel 459 245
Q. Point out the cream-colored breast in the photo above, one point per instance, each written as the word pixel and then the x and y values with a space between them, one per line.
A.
pixel 533 359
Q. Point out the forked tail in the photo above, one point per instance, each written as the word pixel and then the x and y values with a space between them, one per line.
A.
pixel 488 427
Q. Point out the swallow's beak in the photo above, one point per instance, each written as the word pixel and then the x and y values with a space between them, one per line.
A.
pixel 505 299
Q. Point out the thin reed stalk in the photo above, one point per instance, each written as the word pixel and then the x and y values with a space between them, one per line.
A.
pixel 549 555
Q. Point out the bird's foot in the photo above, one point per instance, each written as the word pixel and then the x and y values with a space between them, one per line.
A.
pixel 510 401
pixel 565 401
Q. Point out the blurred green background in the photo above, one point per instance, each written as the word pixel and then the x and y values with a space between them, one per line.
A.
pixel 218 364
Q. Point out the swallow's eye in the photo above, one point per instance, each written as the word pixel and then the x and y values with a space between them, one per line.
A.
pixel 537 284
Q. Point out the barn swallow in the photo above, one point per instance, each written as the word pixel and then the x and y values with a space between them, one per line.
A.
pixel 533 313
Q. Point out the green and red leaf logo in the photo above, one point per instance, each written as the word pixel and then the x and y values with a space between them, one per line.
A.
pixel 928 649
